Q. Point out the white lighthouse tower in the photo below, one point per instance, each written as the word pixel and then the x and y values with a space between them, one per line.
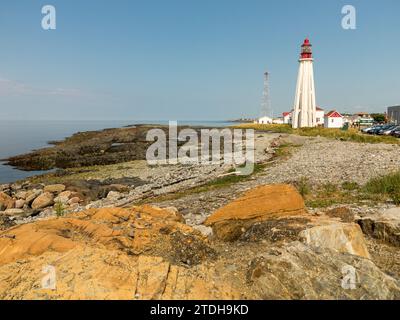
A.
pixel 304 114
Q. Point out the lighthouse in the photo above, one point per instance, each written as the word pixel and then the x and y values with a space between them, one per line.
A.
pixel 304 114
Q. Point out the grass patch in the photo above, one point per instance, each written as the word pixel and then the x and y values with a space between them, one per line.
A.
pixel 376 190
pixel 338 134
pixel 329 188
pixel 284 150
pixel 329 194
pixel 322 199
pixel 322 203
pixel 387 186
pixel 303 186
pixel 350 186
pixel 59 209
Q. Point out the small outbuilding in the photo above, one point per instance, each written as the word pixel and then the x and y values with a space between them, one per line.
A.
pixel 287 117
pixel 333 119
pixel 265 120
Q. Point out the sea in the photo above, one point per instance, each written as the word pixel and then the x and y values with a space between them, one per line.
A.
pixel 19 137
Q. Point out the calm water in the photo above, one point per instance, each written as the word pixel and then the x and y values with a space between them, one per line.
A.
pixel 18 137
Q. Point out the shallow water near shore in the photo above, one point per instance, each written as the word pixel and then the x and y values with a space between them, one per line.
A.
pixel 19 136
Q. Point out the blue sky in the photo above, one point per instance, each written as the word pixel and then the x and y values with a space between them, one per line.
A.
pixel 192 59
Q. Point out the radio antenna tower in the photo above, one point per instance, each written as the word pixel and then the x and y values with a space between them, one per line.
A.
pixel 266 110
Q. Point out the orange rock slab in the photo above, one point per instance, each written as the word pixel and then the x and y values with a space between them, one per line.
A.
pixel 259 204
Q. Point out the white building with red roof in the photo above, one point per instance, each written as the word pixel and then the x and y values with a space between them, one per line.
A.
pixel 333 119
pixel 287 117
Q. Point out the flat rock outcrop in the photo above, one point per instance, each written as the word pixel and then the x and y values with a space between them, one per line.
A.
pixel 296 271
pixel 343 237
pixel 141 253
pixel 141 229
pixel 87 148
pixel 146 252
pixel 97 273
pixel 256 205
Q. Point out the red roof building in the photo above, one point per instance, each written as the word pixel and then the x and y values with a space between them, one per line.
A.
pixel 287 117
pixel 333 119
pixel 333 114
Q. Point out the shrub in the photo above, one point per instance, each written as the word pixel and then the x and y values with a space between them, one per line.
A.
pixel 396 197
pixel 384 184
pixel 329 188
pixel 59 208
pixel 303 186
pixel 388 185
pixel 350 186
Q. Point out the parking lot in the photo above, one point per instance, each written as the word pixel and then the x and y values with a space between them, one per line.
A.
pixel 384 130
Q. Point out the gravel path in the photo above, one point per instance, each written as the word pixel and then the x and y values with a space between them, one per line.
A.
pixel 322 160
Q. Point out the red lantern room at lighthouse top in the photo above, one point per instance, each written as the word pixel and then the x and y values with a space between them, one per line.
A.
pixel 306 50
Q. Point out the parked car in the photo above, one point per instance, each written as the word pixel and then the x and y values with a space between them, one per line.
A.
pixel 396 128
pixel 373 127
pixel 365 130
pixel 375 130
pixel 386 130
pixel 396 132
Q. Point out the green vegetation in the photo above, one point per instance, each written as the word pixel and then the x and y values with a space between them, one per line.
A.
pixel 59 208
pixel 376 190
pixel 329 194
pixel 303 186
pixel 350 186
pixel 378 117
pixel 387 186
pixel 284 150
pixel 349 135
pixel 277 128
pixel 329 188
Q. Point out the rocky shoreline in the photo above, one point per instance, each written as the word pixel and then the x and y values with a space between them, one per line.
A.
pixel 87 148
pixel 99 185
pixel 263 245
pixel 196 223
pixel 125 183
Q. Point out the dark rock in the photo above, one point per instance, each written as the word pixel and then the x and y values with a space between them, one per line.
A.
pixel 344 213
pixel 188 249
pixel 6 222
pixel 286 229
pixel 82 149
pixel 384 226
